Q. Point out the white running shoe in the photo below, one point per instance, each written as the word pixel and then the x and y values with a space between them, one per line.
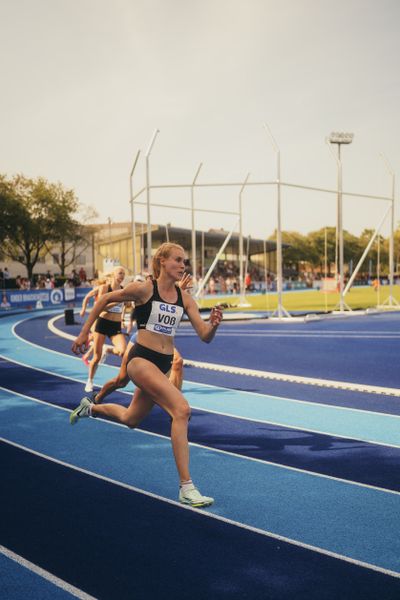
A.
pixel 191 496
pixel 89 386
pixel 83 410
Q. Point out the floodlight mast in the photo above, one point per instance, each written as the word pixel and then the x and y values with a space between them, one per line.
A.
pixel 340 138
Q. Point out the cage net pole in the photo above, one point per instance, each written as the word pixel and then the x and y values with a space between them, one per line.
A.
pixel 243 301
pixel 281 312
pixel 149 240
pixel 216 259
pixel 391 300
pixel 133 224
pixel 367 249
pixel 192 210
pixel 266 271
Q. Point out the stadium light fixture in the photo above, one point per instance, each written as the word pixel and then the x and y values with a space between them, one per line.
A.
pixel 340 137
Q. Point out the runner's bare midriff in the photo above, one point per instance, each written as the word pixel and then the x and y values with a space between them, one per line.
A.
pixel 156 341
pixel 110 316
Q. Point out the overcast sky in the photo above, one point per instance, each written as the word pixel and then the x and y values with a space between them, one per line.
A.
pixel 85 83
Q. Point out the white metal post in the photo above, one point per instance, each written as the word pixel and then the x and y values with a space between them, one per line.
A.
pixel 246 263
pixel 326 268
pixel 133 224
pixel 202 255
pixel 378 270
pixel 142 248
pixel 391 300
pixel 216 259
pixel 280 311
pixel 265 264
pixel 194 261
pixel 241 257
pixel 153 139
pixel 367 249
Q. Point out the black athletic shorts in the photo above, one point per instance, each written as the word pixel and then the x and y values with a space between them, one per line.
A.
pixel 162 361
pixel 107 327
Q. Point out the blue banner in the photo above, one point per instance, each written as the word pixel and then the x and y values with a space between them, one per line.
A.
pixel 42 298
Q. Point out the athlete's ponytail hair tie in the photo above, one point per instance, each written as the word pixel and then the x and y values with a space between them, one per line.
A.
pixel 164 251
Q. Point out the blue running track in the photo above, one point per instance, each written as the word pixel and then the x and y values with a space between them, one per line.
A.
pixel 306 479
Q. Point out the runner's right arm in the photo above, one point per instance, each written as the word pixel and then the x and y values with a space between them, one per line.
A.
pixel 134 291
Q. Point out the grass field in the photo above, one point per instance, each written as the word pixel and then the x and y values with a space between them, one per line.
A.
pixel 313 300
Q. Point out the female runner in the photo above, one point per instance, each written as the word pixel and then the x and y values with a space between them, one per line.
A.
pixel 122 379
pixel 109 323
pixel 93 293
pixel 160 305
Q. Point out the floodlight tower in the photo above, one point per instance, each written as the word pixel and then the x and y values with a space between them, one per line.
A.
pixel 339 138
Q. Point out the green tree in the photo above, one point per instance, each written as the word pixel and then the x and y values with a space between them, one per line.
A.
pixel 319 248
pixel 69 237
pixel 396 250
pixel 26 223
pixel 36 215
pixel 298 250
pixel 372 255
pixel 352 248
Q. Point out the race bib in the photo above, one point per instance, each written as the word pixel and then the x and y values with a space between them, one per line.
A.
pixel 164 318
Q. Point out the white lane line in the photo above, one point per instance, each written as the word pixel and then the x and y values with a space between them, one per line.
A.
pixel 342 385
pixel 276 423
pixel 329 383
pixel 67 587
pixel 299 428
pixel 201 384
pixel 218 450
pixel 297 335
pixel 210 515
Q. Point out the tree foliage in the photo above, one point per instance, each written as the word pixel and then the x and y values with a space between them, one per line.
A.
pixel 36 215
pixel 26 222
pixel 68 239
pixel 318 246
